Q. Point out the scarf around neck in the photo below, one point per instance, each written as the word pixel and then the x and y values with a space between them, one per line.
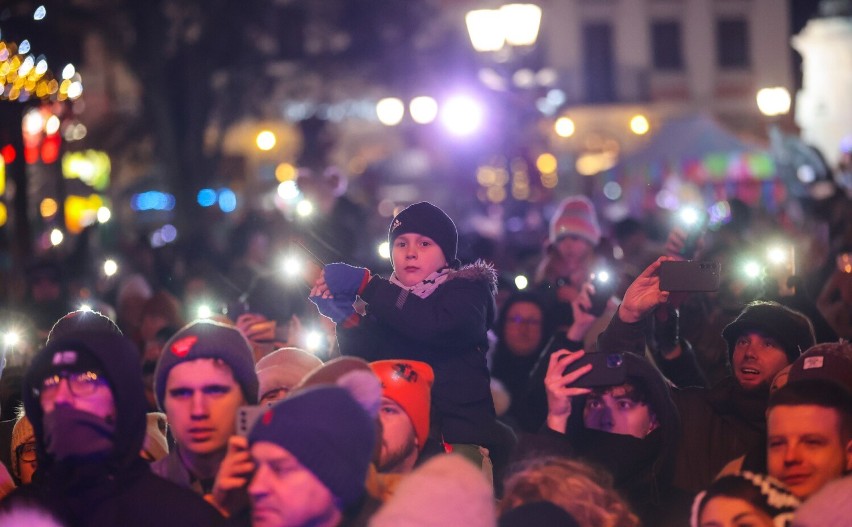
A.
pixel 427 286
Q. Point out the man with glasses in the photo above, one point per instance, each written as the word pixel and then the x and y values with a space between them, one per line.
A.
pixel 83 395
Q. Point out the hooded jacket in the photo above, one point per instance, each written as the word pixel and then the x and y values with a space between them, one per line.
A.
pixel 641 468
pixel 118 490
pixel 447 330
pixel 718 424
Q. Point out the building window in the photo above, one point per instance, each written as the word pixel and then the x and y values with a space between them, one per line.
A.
pixel 666 45
pixel 732 43
pixel 599 63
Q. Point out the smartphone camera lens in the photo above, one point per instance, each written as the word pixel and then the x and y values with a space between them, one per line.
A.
pixel 614 360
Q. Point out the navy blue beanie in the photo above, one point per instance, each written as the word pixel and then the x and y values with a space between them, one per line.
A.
pixel 206 339
pixel 428 220
pixel 328 432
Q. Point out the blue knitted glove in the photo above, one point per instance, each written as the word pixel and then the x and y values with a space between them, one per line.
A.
pixel 338 308
pixel 345 280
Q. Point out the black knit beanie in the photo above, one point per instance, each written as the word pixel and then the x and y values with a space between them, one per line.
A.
pixel 328 432
pixel 81 320
pixel 792 330
pixel 428 220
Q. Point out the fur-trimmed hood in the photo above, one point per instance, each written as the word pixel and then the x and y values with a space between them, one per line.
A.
pixel 478 270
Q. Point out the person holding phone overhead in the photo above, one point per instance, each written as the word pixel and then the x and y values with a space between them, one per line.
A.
pixel 727 420
pixel 629 428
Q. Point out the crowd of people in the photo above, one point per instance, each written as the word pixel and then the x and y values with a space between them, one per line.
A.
pixel 442 395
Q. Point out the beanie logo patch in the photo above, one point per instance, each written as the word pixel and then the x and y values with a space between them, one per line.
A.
pixel 64 358
pixel 405 372
pixel 395 224
pixel 812 363
pixel 182 346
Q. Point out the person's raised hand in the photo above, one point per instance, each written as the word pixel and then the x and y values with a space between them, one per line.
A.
pixel 558 386
pixel 580 306
pixel 644 293
pixel 320 288
pixel 230 493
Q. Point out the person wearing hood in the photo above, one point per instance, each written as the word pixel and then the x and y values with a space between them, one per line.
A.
pixel 432 310
pixel 630 429
pixel 727 420
pixel 83 395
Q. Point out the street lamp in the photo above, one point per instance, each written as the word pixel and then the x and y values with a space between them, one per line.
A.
pixel 773 102
pixel 512 24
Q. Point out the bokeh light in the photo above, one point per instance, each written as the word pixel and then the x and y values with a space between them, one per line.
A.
pixel 546 163
pixel 423 109
pixel 48 207
pixel 639 124
pixel 462 115
pixel 206 197
pixel 56 237
pixel 266 140
pixel 564 127
pixel 227 200
pixel 390 111
pixel 103 214
pixel 110 267
pixel 304 208
pixel 384 250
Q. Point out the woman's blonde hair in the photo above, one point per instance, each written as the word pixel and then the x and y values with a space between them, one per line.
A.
pixel 585 492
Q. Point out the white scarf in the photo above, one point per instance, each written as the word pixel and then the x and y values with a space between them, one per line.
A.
pixel 427 286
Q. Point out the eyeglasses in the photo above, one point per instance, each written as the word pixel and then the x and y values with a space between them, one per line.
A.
pixel 81 384
pixel 26 452
pixel 517 319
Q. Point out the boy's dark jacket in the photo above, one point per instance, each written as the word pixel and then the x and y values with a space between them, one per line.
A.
pixel 447 330
pixel 119 490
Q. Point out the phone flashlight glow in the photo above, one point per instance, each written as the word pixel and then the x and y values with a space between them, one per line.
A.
pixel 688 216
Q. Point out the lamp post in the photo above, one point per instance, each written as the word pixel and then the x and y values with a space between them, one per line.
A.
pixel 505 34
pixel 505 39
pixel 511 24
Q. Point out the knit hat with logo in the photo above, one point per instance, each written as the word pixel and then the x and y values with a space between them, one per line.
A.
pixel 428 220
pixel 408 383
pixel 830 361
pixel 206 339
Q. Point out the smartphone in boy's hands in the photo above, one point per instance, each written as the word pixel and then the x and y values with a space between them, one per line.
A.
pixel 608 369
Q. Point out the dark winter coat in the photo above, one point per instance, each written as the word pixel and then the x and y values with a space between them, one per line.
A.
pixel 447 330
pixel 118 490
pixel 718 424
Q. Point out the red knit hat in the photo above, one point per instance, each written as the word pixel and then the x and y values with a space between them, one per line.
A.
pixel 408 383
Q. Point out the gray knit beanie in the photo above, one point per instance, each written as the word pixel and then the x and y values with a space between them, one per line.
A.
pixel 206 339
